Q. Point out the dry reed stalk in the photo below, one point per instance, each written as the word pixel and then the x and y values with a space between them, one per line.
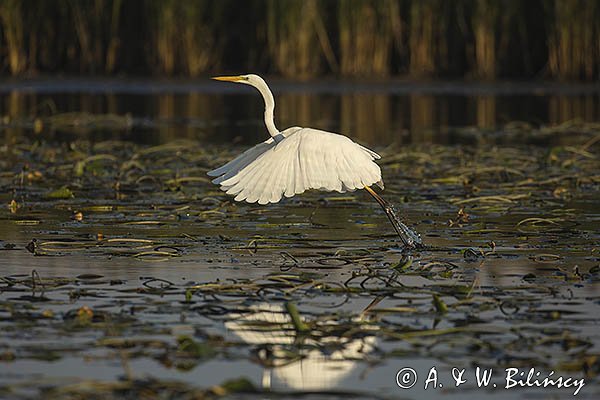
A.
pixel 96 24
pixel 185 40
pixel 13 29
pixel 367 29
pixel 202 44
pixel 485 21
pixel 304 38
pixel 294 44
pixel 427 37
pixel 574 39
pixel 113 37
pixel 165 36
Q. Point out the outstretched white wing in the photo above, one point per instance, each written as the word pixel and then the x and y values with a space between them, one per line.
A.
pixel 306 159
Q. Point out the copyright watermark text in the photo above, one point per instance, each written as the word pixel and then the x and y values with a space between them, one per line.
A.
pixel 509 378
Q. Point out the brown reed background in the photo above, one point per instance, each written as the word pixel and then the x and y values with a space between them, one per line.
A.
pixel 478 39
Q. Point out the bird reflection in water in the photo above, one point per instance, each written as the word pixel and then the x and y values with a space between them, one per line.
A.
pixel 293 360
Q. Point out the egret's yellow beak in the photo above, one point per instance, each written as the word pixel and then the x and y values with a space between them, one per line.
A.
pixel 229 78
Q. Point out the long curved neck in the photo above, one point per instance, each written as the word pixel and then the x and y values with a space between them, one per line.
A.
pixel 269 108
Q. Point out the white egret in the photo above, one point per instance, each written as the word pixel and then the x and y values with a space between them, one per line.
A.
pixel 297 159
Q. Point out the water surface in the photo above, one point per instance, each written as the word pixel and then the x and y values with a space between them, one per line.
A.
pixel 377 114
pixel 144 278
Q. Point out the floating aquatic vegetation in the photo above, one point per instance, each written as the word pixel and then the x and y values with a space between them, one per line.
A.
pixel 147 271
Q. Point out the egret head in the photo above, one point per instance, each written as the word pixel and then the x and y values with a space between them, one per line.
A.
pixel 250 79
pixel 259 84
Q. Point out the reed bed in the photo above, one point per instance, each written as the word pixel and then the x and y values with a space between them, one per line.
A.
pixel 294 29
pixel 367 32
pixel 574 39
pixel 484 39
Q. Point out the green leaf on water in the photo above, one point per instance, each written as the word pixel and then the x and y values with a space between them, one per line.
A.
pixel 79 168
pixel 61 193
pixel 403 264
pixel 195 349
pixel 439 304
pixel 238 385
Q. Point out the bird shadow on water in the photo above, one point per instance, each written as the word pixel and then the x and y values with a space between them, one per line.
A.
pixel 125 272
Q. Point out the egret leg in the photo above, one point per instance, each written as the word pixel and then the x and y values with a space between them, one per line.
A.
pixel 409 237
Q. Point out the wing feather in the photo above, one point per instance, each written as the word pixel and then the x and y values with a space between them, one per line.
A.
pixel 305 159
pixel 354 181
pixel 280 185
pixel 240 162
pixel 236 183
pixel 374 156
pixel 269 178
pixel 257 183
pixel 304 155
pixel 346 166
pixel 290 177
pixel 344 171
pixel 243 181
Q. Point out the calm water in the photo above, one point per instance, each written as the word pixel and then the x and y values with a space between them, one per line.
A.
pixel 519 275
pixel 375 114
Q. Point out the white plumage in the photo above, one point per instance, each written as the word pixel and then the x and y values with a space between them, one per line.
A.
pixel 295 160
